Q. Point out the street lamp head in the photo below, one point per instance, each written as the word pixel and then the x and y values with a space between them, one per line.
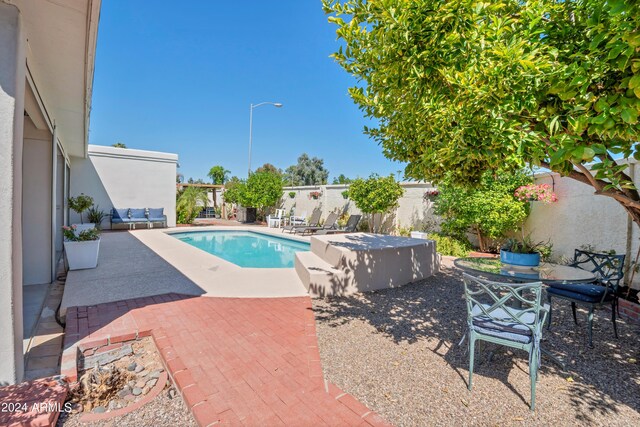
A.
pixel 277 104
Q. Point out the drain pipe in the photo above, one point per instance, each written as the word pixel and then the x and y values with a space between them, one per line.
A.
pixel 632 175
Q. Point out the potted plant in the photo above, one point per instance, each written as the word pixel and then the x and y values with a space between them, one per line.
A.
pixel 524 252
pixel 345 194
pixel 292 194
pixel 315 195
pixel 80 204
pixel 96 216
pixel 81 247
pixel 217 212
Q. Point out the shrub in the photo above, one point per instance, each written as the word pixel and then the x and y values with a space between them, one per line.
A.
pixel 292 194
pixel 375 195
pixel 447 245
pixel 188 204
pixel 70 234
pixel 95 215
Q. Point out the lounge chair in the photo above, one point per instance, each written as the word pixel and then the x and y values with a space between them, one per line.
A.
pixel 350 227
pixel 329 224
pixel 313 222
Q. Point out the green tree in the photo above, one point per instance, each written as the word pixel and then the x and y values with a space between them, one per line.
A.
pixel 341 179
pixel 232 190
pixel 262 190
pixel 190 202
pixel 218 174
pixel 119 145
pixel 80 203
pixel 459 87
pixel 268 167
pixel 489 210
pixel 308 171
pixel 375 195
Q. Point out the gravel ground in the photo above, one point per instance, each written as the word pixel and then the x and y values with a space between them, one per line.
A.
pixel 160 412
pixel 397 351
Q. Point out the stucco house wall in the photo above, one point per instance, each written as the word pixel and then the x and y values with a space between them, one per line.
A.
pixel 125 178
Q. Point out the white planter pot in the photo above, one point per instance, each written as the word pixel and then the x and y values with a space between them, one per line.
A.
pixel 81 255
pixel 82 227
pixel 419 235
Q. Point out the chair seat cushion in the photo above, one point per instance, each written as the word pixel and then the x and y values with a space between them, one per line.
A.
pixel 160 218
pixel 502 325
pixel 583 292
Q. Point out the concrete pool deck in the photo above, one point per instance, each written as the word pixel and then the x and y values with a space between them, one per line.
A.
pixel 142 263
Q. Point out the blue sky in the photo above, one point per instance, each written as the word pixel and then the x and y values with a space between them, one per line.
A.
pixel 179 77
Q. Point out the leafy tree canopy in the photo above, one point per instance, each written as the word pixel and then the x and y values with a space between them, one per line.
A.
pixel 490 209
pixel 376 194
pixel 268 167
pixel 262 190
pixel 232 190
pixel 460 87
pixel 341 179
pixel 308 171
pixel 218 174
pixel 119 145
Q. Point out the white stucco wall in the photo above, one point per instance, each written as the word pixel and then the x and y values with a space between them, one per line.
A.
pixel 580 217
pixel 36 205
pixel 126 178
pixel 12 87
pixel 412 210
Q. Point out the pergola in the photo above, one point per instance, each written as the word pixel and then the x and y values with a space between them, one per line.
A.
pixel 209 187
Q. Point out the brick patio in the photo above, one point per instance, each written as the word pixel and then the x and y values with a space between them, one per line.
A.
pixel 237 361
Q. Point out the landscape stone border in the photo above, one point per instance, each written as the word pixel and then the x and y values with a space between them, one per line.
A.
pixel 155 391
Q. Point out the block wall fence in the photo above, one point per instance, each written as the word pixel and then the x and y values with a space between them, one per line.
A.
pixel 578 218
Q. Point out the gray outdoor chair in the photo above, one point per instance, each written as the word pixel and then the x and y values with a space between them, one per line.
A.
pixel 314 221
pixel 350 227
pixel 329 224
pixel 508 314
pixel 608 269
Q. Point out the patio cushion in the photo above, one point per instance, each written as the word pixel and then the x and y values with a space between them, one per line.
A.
pixel 138 214
pixel 156 214
pixel 120 214
pixel 587 292
pixel 583 292
pixel 501 325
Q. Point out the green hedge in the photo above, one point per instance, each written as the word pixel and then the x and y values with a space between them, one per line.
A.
pixel 451 246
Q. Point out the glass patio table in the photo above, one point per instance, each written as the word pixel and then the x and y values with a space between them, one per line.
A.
pixel 546 273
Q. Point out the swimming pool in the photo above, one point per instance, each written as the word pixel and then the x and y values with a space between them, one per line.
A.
pixel 246 248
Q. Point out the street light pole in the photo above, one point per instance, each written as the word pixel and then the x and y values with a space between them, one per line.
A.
pixel 275 104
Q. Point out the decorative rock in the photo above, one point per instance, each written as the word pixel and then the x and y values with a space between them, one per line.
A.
pixel 137 391
pixel 143 373
pixel 145 390
pixel 113 405
pixel 99 409
pixel 133 366
pixel 76 407
pixel 129 398
pixel 141 384
pixel 138 369
pixel 156 373
pixel 152 382
pixel 125 391
pixel 171 393
pixel 131 383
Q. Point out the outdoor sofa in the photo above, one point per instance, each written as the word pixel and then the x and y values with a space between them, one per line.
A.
pixel 133 216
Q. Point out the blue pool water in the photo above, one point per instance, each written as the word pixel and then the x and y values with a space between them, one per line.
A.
pixel 246 248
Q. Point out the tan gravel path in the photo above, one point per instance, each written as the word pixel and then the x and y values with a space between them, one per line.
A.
pixel 396 351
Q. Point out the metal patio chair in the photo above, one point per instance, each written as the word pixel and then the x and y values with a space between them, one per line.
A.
pixel 609 272
pixel 508 314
